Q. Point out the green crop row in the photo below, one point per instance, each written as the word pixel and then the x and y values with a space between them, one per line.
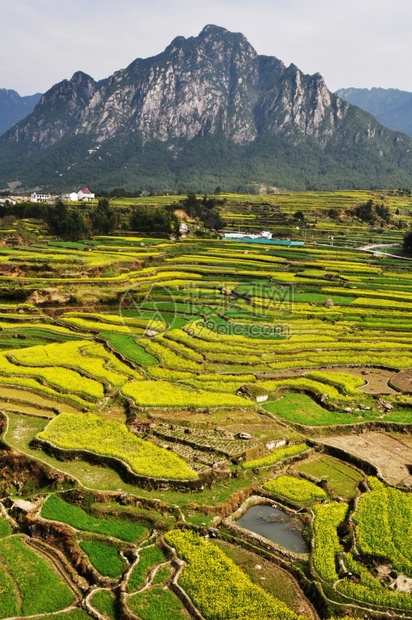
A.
pixel 105 558
pixel 56 509
pixel 157 603
pixel 9 603
pixel 40 588
pixel 105 603
pixel 127 345
pixel 342 478
pixel 300 408
pixel 5 528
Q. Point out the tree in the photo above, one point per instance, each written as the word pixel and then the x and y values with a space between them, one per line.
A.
pixel 69 224
pixel 104 218
pixel 159 219
pixel 407 243
pixel 383 212
pixel 299 215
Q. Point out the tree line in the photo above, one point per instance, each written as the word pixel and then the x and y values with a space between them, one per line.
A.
pixel 73 222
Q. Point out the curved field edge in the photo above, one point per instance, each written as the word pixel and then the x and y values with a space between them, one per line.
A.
pixel 88 433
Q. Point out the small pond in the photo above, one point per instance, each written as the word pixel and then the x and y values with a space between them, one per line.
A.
pixel 276 525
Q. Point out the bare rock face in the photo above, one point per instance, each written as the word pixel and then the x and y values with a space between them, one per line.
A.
pixel 57 112
pixel 205 85
pixel 301 106
pixel 197 86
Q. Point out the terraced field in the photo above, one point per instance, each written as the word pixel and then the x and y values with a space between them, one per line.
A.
pixel 149 387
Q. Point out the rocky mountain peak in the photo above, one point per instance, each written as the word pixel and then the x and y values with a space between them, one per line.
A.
pixel 213 86
pixel 212 30
pixel 80 87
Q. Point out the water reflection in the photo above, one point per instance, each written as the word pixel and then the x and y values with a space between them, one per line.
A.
pixel 276 525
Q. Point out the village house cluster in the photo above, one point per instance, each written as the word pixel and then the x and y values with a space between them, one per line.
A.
pixel 83 195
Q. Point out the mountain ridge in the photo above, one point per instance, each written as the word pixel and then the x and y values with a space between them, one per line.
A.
pixel 14 107
pixel 207 111
pixel 391 106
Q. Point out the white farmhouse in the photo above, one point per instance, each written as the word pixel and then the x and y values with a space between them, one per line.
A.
pixel 72 197
pixel 85 195
pixel 39 197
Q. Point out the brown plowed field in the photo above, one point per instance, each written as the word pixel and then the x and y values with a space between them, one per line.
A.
pixel 376 379
pixel 390 455
pixel 403 381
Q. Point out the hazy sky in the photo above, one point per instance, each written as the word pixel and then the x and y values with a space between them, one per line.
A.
pixel 361 43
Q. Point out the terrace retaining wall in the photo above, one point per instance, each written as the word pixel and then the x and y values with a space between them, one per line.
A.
pixel 123 469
